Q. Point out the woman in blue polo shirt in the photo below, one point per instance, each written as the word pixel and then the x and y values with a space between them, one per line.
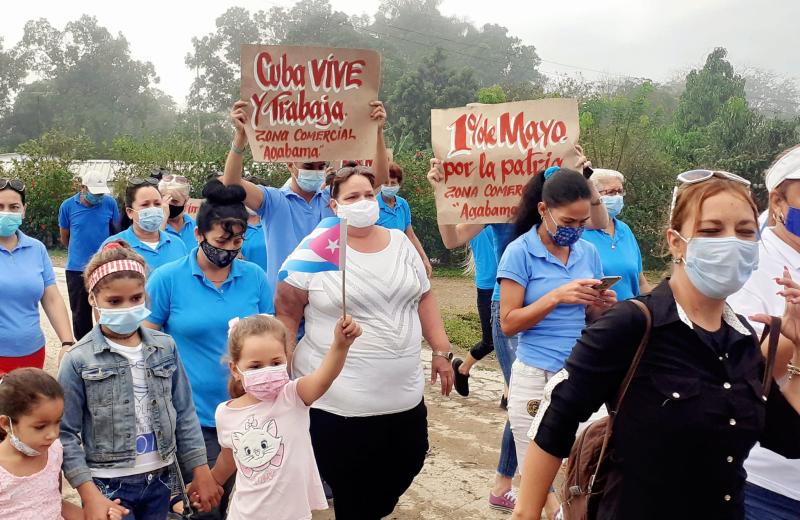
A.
pixel 396 213
pixel 616 244
pixel 179 223
pixel 27 279
pixel 547 277
pixel 192 300
pixel 145 206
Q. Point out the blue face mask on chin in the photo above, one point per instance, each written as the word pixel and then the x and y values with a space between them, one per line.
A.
pixel 92 199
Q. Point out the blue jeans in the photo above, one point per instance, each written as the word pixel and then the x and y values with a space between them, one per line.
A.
pixel 146 496
pixel 763 504
pixel 505 349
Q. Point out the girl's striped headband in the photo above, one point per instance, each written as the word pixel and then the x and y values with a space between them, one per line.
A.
pixel 115 266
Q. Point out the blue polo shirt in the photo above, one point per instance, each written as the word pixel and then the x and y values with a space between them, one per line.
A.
pixel 620 256
pixel 397 217
pixel 25 273
pixel 186 234
pixel 527 261
pixel 501 237
pixel 169 248
pixel 88 228
pixel 254 248
pixel 288 219
pixel 485 260
pixel 191 309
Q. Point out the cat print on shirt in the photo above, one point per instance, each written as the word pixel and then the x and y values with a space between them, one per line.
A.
pixel 258 448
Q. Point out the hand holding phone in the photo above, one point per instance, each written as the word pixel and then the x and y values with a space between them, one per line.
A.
pixel 607 282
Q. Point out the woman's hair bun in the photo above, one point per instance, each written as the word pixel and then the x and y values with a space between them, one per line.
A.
pixel 218 194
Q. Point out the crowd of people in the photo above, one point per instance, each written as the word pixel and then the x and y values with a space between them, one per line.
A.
pixel 192 378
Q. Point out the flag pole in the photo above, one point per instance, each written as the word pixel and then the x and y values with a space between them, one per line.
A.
pixel 343 260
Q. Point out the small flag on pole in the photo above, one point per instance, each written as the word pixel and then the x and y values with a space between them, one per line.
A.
pixel 322 250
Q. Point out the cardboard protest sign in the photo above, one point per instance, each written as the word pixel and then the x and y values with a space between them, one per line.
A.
pixel 309 103
pixel 489 153
pixel 365 162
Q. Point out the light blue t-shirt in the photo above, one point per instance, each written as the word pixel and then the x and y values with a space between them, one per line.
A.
pixel 25 273
pixel 169 248
pixel 88 228
pixel 254 248
pixel 620 256
pixel 397 217
pixel 187 232
pixel 191 309
pixel 485 260
pixel 288 219
pixel 501 237
pixel 527 262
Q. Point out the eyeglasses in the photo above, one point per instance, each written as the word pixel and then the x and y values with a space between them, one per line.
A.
pixel 14 184
pixel 611 193
pixel 698 176
pixel 137 181
pixel 179 179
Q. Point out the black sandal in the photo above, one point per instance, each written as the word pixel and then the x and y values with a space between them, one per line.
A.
pixel 461 380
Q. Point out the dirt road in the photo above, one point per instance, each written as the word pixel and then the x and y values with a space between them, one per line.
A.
pixel 464 433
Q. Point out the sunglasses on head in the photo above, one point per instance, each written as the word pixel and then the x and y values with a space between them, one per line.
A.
pixel 14 184
pixel 179 179
pixel 350 170
pixel 698 176
pixel 137 181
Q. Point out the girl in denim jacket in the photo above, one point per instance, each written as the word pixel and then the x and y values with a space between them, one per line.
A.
pixel 128 411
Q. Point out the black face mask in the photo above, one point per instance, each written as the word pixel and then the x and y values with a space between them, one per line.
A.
pixel 175 211
pixel 220 257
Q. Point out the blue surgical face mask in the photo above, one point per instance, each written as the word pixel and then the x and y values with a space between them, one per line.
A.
pixel 92 199
pixel 9 223
pixel 719 267
pixel 390 191
pixel 792 221
pixel 310 181
pixel 150 219
pixel 123 321
pixel 564 236
pixel 614 204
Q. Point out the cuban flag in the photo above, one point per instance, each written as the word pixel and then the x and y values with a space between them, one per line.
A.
pixel 322 250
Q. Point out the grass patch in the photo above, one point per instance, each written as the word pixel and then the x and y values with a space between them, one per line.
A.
pixel 463 329
pixel 448 272
pixel 58 255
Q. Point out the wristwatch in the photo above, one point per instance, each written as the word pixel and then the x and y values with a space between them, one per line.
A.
pixel 438 353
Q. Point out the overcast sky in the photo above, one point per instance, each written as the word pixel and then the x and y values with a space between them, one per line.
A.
pixel 644 38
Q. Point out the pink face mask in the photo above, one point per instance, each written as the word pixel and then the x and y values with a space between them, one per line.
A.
pixel 264 383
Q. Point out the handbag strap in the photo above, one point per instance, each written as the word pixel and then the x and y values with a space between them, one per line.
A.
pixel 625 384
pixel 774 331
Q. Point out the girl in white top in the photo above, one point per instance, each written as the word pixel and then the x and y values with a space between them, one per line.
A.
pixel 263 430
pixel 374 414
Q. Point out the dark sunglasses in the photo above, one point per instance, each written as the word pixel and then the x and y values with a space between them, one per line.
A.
pixel 180 179
pixel 137 181
pixel 14 184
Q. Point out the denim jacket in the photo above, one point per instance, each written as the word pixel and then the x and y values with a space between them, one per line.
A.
pixel 98 428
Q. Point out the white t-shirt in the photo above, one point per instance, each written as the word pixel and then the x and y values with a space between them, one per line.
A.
pixel 766 468
pixel 277 476
pixel 383 372
pixel 147 456
pixel 151 245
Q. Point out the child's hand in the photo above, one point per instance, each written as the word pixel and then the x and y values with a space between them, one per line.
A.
pixel 101 508
pixel 346 332
pixel 207 491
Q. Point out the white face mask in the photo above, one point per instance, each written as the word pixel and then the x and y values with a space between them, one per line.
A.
pixel 19 445
pixel 361 214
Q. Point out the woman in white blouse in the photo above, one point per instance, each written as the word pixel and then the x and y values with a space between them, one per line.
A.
pixel 374 414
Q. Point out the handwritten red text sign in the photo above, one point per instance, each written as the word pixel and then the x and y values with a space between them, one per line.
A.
pixel 489 153
pixel 309 103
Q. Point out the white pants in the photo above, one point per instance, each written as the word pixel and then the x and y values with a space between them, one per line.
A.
pixel 525 395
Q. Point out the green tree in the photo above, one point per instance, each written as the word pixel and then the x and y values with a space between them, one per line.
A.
pixel 92 85
pixel 492 95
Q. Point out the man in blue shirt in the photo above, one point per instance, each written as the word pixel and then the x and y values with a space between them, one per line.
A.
pixel 254 248
pixel 291 213
pixel 396 213
pixel 85 220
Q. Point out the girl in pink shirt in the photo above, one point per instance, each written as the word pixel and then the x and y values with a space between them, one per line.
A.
pixel 263 430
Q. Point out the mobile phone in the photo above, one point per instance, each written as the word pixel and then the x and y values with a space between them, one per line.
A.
pixel 607 282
